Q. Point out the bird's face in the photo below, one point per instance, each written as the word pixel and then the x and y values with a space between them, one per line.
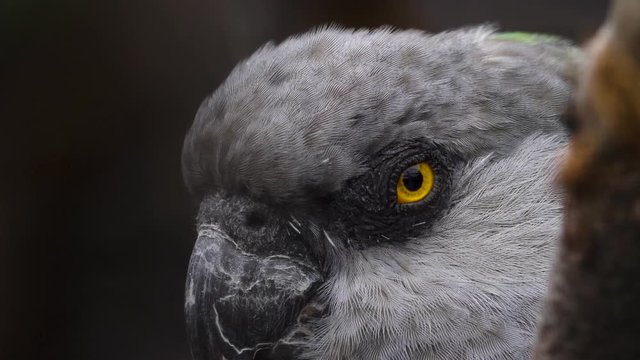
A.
pixel 376 195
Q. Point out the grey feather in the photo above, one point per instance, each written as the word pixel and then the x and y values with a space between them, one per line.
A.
pixel 327 99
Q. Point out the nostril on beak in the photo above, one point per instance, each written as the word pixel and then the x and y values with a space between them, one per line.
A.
pixel 255 219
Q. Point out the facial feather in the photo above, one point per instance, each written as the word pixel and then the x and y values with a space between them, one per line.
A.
pixel 471 287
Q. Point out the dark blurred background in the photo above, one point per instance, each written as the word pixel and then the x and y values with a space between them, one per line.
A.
pixel 96 226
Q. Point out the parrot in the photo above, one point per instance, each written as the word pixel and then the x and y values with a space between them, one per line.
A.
pixel 378 194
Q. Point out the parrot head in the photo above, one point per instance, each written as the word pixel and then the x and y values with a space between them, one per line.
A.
pixel 377 194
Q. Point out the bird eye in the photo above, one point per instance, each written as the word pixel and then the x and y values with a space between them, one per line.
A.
pixel 415 183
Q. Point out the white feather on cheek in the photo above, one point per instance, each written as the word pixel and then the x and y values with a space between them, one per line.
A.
pixel 472 286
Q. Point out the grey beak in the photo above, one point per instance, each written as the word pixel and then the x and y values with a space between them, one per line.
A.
pixel 238 304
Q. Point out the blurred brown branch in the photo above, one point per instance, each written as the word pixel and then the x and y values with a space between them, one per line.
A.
pixel 592 309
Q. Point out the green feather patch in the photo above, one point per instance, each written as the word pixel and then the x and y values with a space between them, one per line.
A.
pixel 527 37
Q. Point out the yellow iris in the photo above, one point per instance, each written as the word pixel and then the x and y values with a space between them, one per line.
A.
pixel 415 183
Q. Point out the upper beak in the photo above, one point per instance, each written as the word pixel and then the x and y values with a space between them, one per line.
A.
pixel 237 303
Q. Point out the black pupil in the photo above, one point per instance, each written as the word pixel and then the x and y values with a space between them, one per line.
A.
pixel 412 179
